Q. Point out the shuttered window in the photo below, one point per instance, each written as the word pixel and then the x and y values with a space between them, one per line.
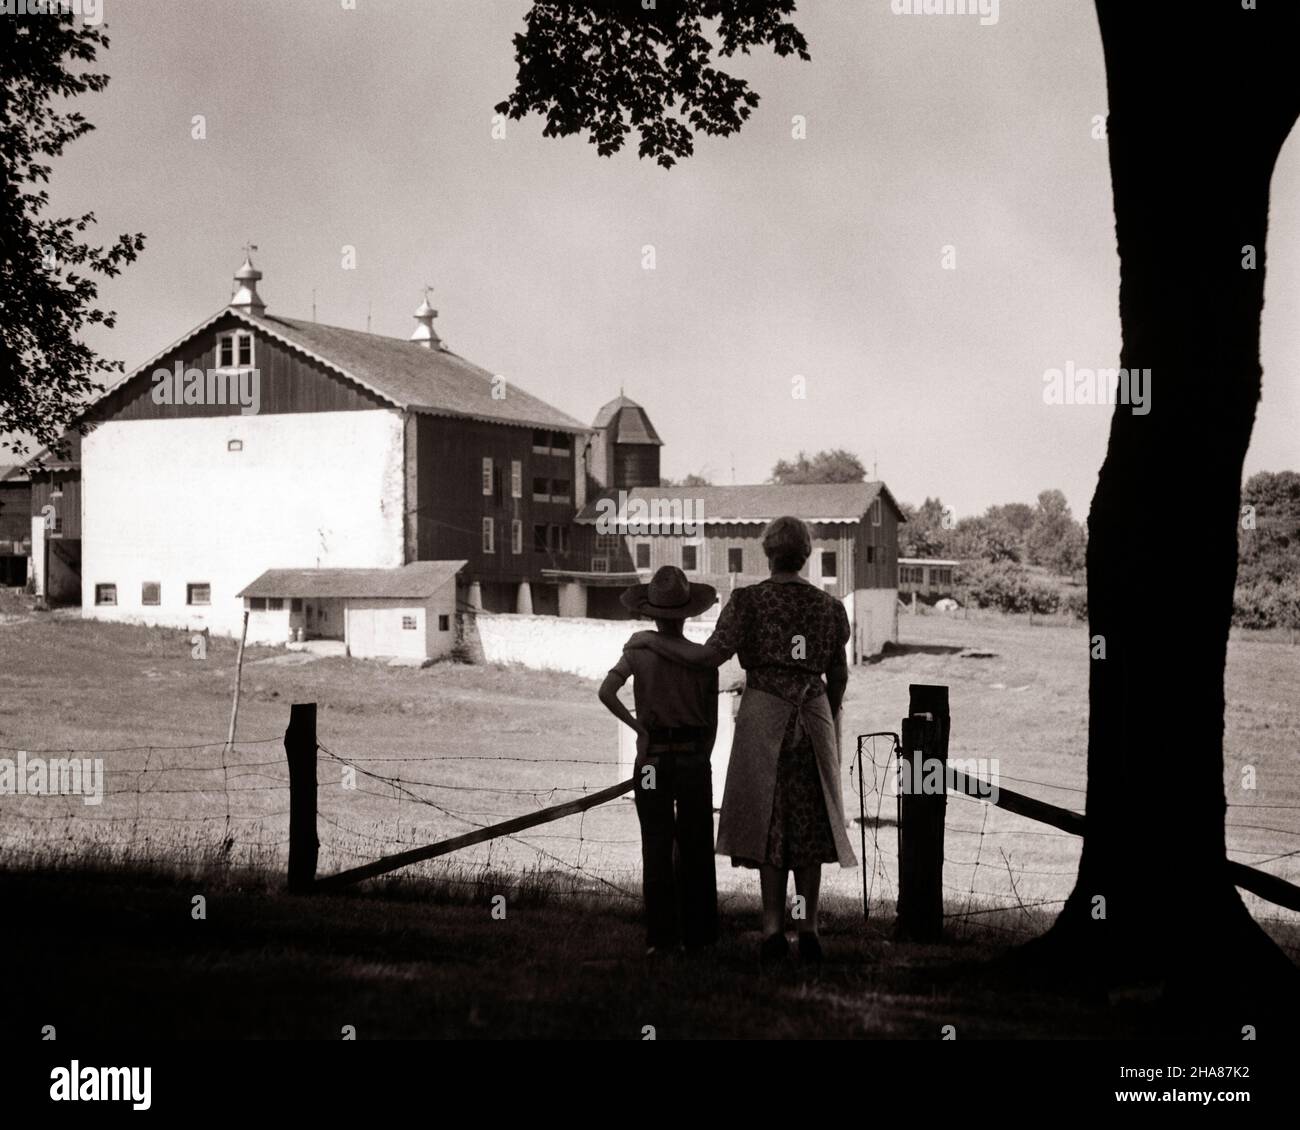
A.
pixel 487 474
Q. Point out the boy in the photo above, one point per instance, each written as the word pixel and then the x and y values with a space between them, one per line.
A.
pixel 676 721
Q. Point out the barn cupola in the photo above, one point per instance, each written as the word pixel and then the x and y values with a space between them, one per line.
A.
pixel 246 297
pixel 424 333
pixel 625 446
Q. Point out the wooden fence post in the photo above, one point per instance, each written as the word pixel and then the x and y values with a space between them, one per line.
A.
pixel 922 805
pixel 300 748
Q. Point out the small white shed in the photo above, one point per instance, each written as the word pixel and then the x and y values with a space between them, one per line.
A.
pixel 403 613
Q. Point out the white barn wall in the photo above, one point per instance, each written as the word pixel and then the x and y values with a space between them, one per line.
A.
pixel 164 500
pixel 875 615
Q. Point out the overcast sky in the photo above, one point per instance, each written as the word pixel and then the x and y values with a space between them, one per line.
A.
pixel 774 257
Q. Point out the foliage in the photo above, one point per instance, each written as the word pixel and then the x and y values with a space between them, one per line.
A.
pixel 609 68
pixel 45 269
pixel 837 466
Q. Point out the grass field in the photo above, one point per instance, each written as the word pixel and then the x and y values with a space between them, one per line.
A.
pixel 448 748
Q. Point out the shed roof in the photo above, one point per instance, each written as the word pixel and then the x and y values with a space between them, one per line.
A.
pixel 415 581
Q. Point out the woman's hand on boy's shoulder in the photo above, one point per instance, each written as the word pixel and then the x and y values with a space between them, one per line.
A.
pixel 639 639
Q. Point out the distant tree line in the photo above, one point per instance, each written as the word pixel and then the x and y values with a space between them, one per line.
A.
pixel 1268 553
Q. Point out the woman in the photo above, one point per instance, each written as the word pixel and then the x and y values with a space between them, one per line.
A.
pixel 782 810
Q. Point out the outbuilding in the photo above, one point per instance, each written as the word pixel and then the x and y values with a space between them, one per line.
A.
pixel 407 612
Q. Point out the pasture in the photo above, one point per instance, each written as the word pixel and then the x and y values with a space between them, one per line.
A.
pixel 438 751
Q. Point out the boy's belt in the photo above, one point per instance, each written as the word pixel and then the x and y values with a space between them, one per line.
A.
pixel 677 739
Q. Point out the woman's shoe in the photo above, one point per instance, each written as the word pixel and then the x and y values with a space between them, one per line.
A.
pixel 810 949
pixel 774 952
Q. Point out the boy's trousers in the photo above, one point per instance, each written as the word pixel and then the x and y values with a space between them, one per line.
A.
pixel 675 807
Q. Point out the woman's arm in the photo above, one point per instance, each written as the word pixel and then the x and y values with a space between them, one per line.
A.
pixel 837 681
pixel 679 650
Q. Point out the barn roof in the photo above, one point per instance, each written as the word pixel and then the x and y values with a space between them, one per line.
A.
pixel 404 373
pixel 813 502
pixel 633 425
pixel 415 581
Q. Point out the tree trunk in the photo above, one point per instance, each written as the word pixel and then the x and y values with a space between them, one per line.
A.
pixel 1199 107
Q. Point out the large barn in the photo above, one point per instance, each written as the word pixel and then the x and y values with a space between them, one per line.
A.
pixel 258 442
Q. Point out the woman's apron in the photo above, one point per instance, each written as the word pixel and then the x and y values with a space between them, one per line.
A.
pixel 751 774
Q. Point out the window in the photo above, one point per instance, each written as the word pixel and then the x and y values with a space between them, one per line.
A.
pixel 408 623
pixel 735 559
pixel 106 594
pixel 690 558
pixel 540 544
pixel 295 605
pixel 235 350
pixel 444 623
pixel 643 555
pixel 234 445
pixel 541 490
pixel 608 543
pixel 560 539
pixel 257 604
pixel 560 490
pixel 875 512
pixel 830 565
pixel 910 574
pixel 487 474
pixel 275 604
pixel 56 528
pixel 541 443
pixel 561 443
pixel 600 564
pixel 516 536
pixel 151 593
pixel 198 592
pixel 516 479
pixel 489 536
pixel 871 555
pixel 942 576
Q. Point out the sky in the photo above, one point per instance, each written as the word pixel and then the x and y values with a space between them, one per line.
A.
pixel 371 128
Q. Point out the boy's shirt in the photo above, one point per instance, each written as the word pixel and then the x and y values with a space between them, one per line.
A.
pixel 668 693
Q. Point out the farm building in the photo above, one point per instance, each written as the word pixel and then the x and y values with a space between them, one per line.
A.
pixel 257 442
pixel 926 578
pixel 15 525
pixel 631 526
pixel 407 613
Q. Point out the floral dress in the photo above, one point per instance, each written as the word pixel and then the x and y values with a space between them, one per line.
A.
pixel 786 634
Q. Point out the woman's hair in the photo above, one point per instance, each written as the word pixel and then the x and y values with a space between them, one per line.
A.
pixel 787 543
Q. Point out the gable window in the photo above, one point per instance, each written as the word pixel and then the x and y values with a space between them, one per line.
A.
pixel 234 445
pixel 875 512
pixel 871 555
pixel 151 593
pixel 643 555
pixel 408 623
pixel 516 536
pixel 487 475
pixel 444 623
pixel 830 564
pixel 690 558
pixel 106 594
pixel 540 544
pixel 198 592
pixel 489 536
pixel 235 350
pixel 735 559
pixel 516 479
